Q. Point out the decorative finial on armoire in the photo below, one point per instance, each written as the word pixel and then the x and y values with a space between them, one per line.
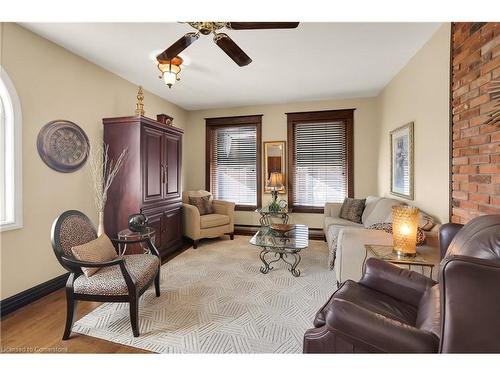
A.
pixel 139 110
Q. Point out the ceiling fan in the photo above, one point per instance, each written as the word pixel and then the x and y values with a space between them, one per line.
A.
pixel 221 39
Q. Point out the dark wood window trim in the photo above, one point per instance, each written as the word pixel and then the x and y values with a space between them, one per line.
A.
pixel 235 121
pixel 293 118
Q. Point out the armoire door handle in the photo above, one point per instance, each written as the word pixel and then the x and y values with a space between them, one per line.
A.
pixel 163 173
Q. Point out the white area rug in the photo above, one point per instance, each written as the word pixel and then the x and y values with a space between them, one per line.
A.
pixel 215 300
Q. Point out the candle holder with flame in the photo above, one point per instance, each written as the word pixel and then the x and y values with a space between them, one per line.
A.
pixel 404 230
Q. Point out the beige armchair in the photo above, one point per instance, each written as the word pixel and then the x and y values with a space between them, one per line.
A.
pixel 196 226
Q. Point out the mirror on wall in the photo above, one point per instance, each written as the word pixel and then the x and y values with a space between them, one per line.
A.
pixel 274 161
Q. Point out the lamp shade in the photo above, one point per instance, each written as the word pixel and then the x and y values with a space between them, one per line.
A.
pixel 275 181
pixel 404 230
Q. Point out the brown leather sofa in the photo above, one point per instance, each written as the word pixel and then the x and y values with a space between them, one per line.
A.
pixel 394 310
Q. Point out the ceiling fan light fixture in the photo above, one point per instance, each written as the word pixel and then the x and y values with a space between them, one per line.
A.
pixel 169 70
pixel 169 78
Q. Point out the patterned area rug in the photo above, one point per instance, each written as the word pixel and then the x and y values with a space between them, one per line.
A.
pixel 215 300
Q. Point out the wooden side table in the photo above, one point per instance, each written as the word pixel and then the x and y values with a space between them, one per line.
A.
pixel 127 234
pixel 427 257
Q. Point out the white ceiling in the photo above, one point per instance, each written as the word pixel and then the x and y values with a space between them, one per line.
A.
pixel 313 62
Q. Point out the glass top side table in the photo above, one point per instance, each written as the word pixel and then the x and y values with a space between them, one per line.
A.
pixel 127 234
pixel 266 215
pixel 385 253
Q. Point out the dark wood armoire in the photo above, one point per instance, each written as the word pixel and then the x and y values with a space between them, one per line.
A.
pixel 150 180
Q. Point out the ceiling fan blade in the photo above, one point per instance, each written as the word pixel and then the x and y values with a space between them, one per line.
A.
pixel 261 25
pixel 179 46
pixel 232 49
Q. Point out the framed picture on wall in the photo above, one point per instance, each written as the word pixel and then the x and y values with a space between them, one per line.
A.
pixel 402 161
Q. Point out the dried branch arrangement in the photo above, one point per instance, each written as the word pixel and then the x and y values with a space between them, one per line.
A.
pixel 495 97
pixel 102 171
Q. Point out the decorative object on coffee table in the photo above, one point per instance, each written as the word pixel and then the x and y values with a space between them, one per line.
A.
pixel 282 228
pixel 404 230
pixel 63 146
pixel 137 222
pixel 285 247
pixel 139 107
pixel 102 171
pixel 402 161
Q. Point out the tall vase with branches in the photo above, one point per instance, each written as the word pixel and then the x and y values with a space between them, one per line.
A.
pixel 102 171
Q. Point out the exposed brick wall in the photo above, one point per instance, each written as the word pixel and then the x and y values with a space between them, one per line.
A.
pixel 476 144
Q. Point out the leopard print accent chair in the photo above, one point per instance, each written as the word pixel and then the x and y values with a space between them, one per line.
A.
pixel 109 281
pixel 71 228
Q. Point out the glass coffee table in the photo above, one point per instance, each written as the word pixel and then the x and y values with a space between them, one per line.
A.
pixel 286 247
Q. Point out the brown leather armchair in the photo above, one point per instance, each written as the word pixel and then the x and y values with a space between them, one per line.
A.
pixel 394 310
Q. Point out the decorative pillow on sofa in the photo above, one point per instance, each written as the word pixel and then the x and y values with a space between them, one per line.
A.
pixel 352 209
pixel 99 250
pixel 425 221
pixel 387 227
pixel 203 204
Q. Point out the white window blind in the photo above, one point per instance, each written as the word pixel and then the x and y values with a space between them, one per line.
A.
pixel 320 170
pixel 233 164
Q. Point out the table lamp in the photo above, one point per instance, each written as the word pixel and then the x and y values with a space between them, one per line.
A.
pixel 275 183
pixel 404 230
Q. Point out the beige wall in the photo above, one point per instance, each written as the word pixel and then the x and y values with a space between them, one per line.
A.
pixel 274 128
pixel 420 93
pixel 65 86
pixel 53 83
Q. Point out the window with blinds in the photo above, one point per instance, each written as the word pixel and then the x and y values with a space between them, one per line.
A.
pixel 320 162
pixel 233 168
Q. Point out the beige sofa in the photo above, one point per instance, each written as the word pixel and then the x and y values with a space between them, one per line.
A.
pixel 346 239
pixel 196 226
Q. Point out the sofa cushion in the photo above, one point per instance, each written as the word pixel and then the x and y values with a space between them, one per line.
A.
pixel 370 300
pixel 109 281
pixel 429 311
pixel 194 193
pixel 352 209
pixel 370 203
pixel 213 220
pixel 330 220
pixel 381 212
pixel 387 227
pixel 203 204
pixel 98 251
pixel 425 221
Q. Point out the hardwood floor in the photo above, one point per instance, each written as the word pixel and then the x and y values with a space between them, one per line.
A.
pixel 39 326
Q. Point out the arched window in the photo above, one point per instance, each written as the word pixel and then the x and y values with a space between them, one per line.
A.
pixel 10 155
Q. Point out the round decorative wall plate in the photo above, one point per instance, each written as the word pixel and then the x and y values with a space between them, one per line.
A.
pixel 63 146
